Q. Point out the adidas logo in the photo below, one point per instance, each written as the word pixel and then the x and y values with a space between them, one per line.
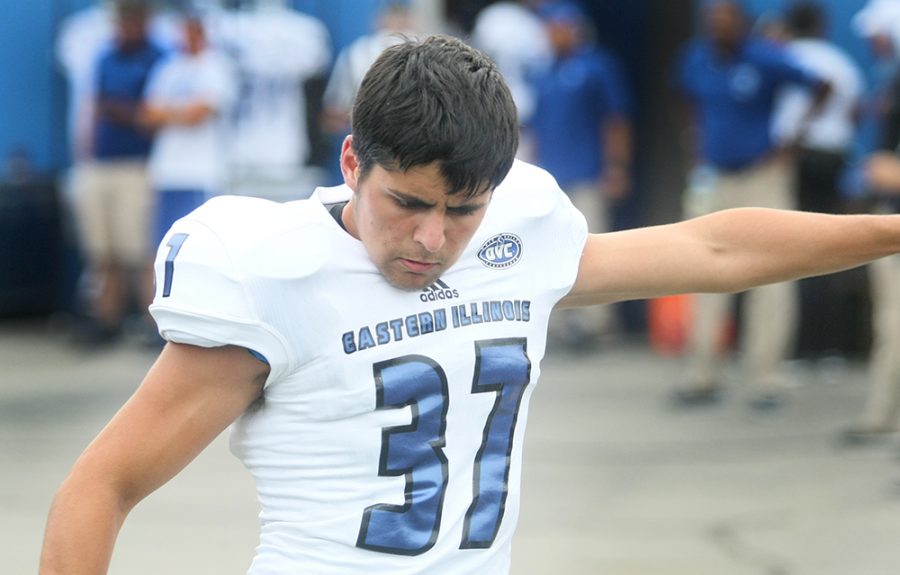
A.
pixel 438 291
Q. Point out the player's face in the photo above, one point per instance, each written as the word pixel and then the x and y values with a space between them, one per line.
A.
pixel 411 228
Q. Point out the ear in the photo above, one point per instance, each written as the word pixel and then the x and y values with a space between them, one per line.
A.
pixel 349 164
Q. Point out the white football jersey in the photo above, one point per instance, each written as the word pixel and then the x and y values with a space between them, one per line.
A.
pixel 389 436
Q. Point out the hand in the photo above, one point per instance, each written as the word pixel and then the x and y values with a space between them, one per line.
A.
pixel 615 182
pixel 882 172
pixel 193 114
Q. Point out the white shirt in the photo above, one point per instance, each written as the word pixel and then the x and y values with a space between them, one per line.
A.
pixel 833 129
pixel 515 38
pixel 389 438
pixel 276 50
pixel 192 157
pixel 351 66
pixel 879 17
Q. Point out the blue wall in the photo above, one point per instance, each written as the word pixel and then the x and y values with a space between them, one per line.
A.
pixel 32 91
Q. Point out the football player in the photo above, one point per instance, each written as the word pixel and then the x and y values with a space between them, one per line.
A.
pixel 384 430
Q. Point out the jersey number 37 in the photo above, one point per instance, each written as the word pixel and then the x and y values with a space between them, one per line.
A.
pixel 416 451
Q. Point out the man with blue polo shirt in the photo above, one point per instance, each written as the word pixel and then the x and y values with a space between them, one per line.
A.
pixel 731 81
pixel 582 134
pixel 113 195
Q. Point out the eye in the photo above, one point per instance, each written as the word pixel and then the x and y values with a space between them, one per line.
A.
pixel 463 210
pixel 406 203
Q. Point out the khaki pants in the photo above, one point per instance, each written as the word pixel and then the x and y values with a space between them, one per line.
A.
pixel 113 202
pixel 769 312
pixel 883 403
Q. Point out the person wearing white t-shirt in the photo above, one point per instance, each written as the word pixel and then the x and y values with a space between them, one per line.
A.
pixel 823 138
pixel 276 51
pixel 878 23
pixel 822 143
pixel 514 36
pixel 394 23
pixel 377 345
pixel 186 101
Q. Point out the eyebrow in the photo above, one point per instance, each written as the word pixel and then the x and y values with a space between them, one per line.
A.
pixel 410 199
pixel 415 201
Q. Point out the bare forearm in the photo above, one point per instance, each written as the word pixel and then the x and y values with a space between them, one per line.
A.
pixel 755 246
pixel 81 530
pixel 727 251
pixel 156 116
pixel 189 396
pixel 124 113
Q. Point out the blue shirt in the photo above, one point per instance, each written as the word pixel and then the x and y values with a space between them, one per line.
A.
pixel 574 98
pixel 735 98
pixel 121 76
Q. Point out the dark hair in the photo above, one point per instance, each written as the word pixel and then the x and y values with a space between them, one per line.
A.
pixel 806 19
pixel 436 100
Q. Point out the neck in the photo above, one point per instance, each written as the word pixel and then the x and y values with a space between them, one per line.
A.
pixel 348 218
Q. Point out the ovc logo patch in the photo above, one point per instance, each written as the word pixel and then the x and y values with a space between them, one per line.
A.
pixel 501 251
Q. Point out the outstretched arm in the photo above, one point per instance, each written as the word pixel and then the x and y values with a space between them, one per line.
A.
pixel 187 398
pixel 727 251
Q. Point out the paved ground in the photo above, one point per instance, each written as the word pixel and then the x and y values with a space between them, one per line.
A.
pixel 615 483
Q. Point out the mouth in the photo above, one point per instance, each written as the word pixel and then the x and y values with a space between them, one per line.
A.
pixel 418 267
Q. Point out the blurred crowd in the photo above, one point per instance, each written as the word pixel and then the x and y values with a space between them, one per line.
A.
pixel 775 108
pixel 170 106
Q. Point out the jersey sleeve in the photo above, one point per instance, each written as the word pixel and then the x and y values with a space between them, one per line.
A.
pixel 554 229
pixel 201 299
pixel 572 234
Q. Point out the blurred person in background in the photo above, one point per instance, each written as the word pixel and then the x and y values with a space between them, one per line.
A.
pixel 83 37
pixel 513 35
pixel 582 135
pixel 879 23
pixel 276 50
pixel 394 22
pixel 187 100
pixel 821 142
pixel 113 197
pixel 730 81
pixel 881 414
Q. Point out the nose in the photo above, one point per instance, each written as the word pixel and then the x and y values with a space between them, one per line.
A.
pixel 430 231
